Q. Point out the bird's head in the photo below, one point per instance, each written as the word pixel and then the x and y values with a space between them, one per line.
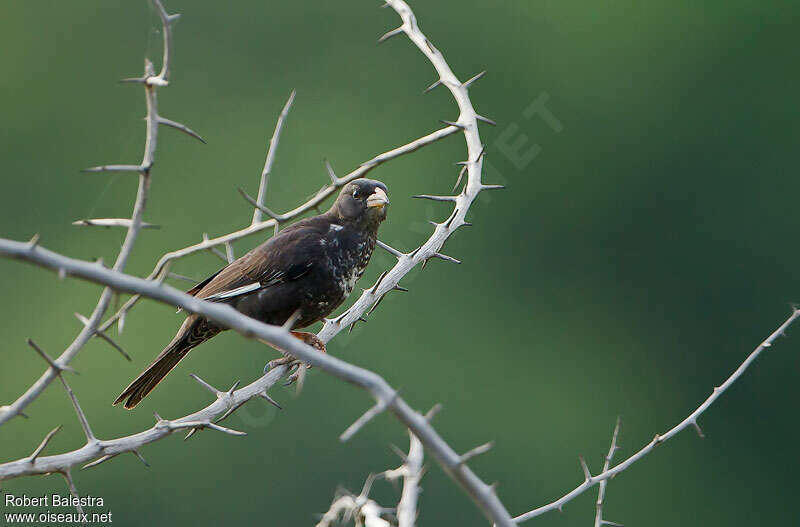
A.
pixel 363 202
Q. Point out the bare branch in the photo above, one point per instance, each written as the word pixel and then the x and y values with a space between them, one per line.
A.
pixel 411 471
pixel 72 488
pixel 690 420
pixel 228 317
pixel 162 428
pixel 144 170
pixel 112 222
pixel 366 511
pixel 273 147
pixel 166 20
pixel 483 494
pixel 601 493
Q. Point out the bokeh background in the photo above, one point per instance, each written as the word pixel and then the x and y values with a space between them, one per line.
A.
pixel 629 268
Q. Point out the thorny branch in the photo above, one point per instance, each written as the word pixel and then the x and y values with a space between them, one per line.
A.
pixel 365 511
pixel 601 492
pixel 96 451
pixel 689 421
pixel 150 81
pixel 226 316
pixel 411 471
pixel 386 397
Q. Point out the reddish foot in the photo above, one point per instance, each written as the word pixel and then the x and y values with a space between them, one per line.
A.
pixel 310 339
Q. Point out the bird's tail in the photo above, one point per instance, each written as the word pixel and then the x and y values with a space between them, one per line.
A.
pixel 193 332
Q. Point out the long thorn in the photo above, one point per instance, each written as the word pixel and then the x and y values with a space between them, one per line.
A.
pixel 44 443
pixel 87 430
pixel 389 34
pixel 182 127
pixel 469 83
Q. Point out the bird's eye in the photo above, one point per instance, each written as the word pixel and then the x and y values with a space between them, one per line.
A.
pixel 355 193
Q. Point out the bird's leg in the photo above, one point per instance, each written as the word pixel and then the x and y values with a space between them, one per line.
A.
pixel 310 339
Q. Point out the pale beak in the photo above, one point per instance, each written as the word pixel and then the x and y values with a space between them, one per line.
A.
pixel 378 198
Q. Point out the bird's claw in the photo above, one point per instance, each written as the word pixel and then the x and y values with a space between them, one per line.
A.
pixel 297 376
pixel 299 373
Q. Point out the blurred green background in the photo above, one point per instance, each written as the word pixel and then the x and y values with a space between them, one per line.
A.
pixel 628 269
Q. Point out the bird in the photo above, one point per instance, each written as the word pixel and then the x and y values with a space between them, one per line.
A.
pixel 298 276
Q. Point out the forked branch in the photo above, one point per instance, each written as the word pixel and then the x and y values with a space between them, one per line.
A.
pixel 689 422
pixel 91 326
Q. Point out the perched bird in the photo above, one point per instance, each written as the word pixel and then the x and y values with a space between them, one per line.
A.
pixel 303 273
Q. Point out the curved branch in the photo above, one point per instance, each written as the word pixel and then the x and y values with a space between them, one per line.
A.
pixel 276 336
pixel 411 471
pixel 689 421
pixel 91 328
pixel 453 464
pixel 468 123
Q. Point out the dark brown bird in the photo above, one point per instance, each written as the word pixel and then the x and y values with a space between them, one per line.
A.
pixel 304 272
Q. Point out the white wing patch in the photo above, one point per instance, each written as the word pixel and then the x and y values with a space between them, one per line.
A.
pixel 235 292
pixel 335 227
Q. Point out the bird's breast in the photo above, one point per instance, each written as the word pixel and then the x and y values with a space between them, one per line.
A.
pixel 346 259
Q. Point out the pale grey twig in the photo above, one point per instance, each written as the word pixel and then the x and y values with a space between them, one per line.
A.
pixel 364 511
pixel 411 471
pixel 92 328
pixel 273 147
pixel 689 421
pixel 601 492
pixel 112 222
pixel 97 451
pixel 72 488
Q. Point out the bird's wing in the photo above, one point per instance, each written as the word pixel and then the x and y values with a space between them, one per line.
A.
pixel 196 289
pixel 285 257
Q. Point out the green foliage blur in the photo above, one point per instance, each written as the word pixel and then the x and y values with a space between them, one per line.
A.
pixel 630 266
